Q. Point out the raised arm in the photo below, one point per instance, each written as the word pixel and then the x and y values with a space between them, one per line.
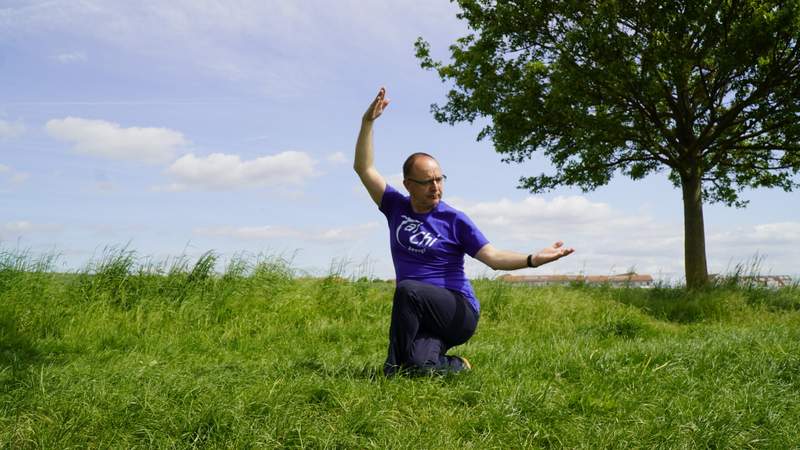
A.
pixel 508 260
pixel 363 164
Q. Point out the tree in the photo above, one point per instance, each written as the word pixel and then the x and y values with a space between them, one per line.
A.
pixel 706 89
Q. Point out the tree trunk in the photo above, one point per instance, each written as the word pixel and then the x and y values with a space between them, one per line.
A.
pixel 694 235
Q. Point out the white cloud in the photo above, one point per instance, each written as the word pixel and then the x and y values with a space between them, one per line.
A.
pixel 19 177
pixel 340 234
pixel 535 217
pixel 249 233
pixel 172 187
pixel 105 186
pixel 782 233
pixel 296 41
pixel 612 241
pixel 562 209
pixel 109 140
pixel 337 158
pixel 11 129
pixel 24 227
pixel 606 241
pixel 396 181
pixel 267 232
pixel 12 176
pixel 115 231
pixel 71 57
pixel 773 244
pixel 220 171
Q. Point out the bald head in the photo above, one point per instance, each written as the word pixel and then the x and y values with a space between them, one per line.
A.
pixel 408 166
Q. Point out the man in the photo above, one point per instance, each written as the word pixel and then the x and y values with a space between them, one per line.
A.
pixel 434 305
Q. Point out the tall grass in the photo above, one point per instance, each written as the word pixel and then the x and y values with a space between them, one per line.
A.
pixel 185 353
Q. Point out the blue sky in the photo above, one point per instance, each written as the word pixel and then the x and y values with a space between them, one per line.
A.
pixel 186 126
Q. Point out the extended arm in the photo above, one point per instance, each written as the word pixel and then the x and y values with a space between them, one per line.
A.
pixel 364 158
pixel 507 260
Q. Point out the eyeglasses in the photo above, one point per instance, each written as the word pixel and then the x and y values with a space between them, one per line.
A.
pixel 437 180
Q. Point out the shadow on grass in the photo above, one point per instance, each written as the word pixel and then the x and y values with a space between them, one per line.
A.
pixel 30 335
pixel 782 299
pixel 681 305
pixel 16 349
pixel 347 371
pixel 19 356
pixel 671 304
pixel 368 373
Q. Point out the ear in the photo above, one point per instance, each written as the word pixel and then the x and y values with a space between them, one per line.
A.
pixel 406 184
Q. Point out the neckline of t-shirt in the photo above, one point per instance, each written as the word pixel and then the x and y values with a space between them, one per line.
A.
pixel 435 208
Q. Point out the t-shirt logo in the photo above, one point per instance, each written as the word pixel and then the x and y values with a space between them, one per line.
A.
pixel 412 236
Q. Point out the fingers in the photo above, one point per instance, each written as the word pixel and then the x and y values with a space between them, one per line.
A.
pixel 561 251
pixel 377 106
pixel 378 98
pixel 381 102
pixel 382 96
pixel 553 253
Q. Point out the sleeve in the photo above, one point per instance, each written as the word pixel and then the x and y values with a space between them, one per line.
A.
pixel 389 200
pixel 469 235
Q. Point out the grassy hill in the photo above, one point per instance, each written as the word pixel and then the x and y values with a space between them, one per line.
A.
pixel 132 354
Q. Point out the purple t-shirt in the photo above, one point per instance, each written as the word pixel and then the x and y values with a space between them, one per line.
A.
pixel 430 247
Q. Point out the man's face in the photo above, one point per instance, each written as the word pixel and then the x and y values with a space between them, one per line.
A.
pixel 422 186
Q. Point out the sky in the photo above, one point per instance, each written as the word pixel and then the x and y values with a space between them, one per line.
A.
pixel 175 128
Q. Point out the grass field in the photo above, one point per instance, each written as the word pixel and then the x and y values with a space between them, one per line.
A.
pixel 130 353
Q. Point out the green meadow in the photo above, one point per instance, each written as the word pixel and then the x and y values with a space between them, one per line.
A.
pixel 130 353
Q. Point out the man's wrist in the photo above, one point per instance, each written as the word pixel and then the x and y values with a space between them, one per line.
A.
pixel 529 261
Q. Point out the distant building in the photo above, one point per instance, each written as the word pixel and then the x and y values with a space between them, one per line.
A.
pixel 767 281
pixel 621 280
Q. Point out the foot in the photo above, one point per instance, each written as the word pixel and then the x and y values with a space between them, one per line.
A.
pixel 464 363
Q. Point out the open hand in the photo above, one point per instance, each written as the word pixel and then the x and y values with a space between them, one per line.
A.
pixel 377 106
pixel 552 253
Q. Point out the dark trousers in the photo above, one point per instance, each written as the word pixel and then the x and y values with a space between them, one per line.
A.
pixel 426 322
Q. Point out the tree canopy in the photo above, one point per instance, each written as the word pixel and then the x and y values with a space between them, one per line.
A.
pixel 707 90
